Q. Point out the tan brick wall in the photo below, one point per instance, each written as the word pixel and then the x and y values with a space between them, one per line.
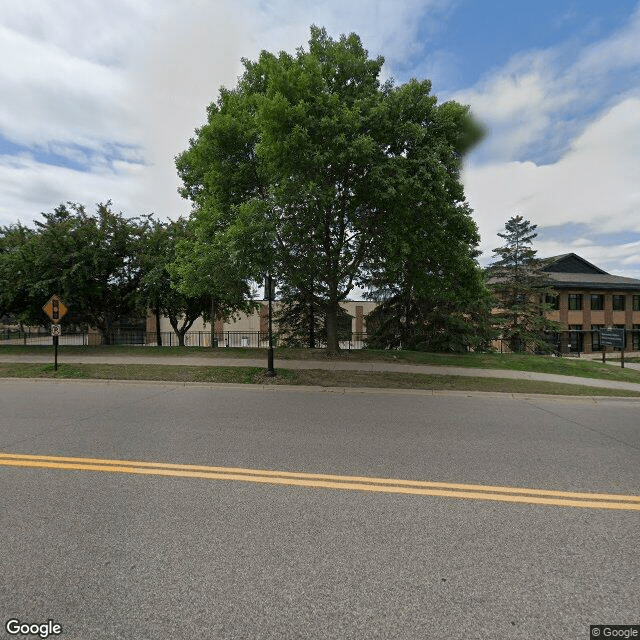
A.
pixel 264 317
pixel 359 318
pixel 564 308
pixel 608 309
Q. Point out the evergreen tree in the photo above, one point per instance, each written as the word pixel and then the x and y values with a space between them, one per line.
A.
pixel 454 318
pixel 301 319
pixel 520 288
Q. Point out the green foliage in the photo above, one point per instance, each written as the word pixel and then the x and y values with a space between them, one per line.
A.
pixel 417 315
pixel 301 321
pixel 520 288
pixel 15 269
pixel 206 275
pixel 91 262
pixel 312 169
pixel 158 289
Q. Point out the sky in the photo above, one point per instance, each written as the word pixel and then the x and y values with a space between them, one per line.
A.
pixel 97 99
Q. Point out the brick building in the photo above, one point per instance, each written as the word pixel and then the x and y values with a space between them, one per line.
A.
pixel 250 330
pixel 590 299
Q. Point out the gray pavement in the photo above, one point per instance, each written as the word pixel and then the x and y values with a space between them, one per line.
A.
pixel 120 556
pixel 335 366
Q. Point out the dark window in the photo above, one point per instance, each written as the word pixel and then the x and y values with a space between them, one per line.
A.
pixel 554 301
pixel 635 337
pixel 575 337
pixel 636 303
pixel 618 303
pixel 597 302
pixel 575 301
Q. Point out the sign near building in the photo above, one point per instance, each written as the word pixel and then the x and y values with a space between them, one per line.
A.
pixel 612 338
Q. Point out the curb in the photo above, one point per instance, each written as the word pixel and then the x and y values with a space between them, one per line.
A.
pixel 336 390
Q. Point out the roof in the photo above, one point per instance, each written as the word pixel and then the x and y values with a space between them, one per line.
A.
pixel 570 271
pixel 570 263
pixel 604 281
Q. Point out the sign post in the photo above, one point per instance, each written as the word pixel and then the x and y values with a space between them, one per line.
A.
pixel 613 338
pixel 55 309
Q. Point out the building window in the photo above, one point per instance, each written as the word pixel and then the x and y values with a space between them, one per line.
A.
pixel 636 303
pixel 635 338
pixel 595 337
pixel 575 337
pixel 554 301
pixel 618 303
pixel 575 301
pixel 597 302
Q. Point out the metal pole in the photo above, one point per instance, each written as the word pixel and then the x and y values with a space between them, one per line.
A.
pixel 270 370
pixel 55 345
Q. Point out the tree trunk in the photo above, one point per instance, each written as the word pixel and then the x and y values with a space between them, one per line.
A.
pixel 213 322
pixel 105 329
pixel 312 327
pixel 332 324
pixel 158 335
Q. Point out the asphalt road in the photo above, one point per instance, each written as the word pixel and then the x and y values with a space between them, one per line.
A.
pixel 156 553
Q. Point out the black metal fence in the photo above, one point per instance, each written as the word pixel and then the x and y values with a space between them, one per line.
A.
pixel 231 339
pixel 16 337
pixel 569 343
pixel 564 343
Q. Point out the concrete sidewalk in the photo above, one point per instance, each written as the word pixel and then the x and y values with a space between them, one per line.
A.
pixel 331 366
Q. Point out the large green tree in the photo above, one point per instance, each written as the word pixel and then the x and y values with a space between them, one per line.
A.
pixel 313 169
pixel 521 288
pixel 158 288
pixel 90 261
pixel 456 318
pixel 205 274
pixel 16 269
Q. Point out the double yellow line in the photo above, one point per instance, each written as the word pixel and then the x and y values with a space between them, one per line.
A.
pixel 325 481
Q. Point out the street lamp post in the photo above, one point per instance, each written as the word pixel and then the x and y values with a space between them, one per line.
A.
pixel 270 370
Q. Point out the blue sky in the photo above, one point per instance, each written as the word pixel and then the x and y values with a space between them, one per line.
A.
pixel 98 98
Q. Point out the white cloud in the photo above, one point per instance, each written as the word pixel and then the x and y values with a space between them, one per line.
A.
pixel 78 78
pixel 29 187
pixel 49 95
pixel 103 83
pixel 106 33
pixel 197 47
pixel 596 183
pixel 537 101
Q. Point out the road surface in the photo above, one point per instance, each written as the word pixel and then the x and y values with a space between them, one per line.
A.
pixel 135 510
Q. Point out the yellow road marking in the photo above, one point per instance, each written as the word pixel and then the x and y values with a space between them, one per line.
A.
pixel 327 481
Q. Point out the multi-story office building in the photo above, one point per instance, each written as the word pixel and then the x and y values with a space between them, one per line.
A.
pixel 589 299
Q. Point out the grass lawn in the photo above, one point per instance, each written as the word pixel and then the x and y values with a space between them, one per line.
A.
pixel 516 362
pixel 315 377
